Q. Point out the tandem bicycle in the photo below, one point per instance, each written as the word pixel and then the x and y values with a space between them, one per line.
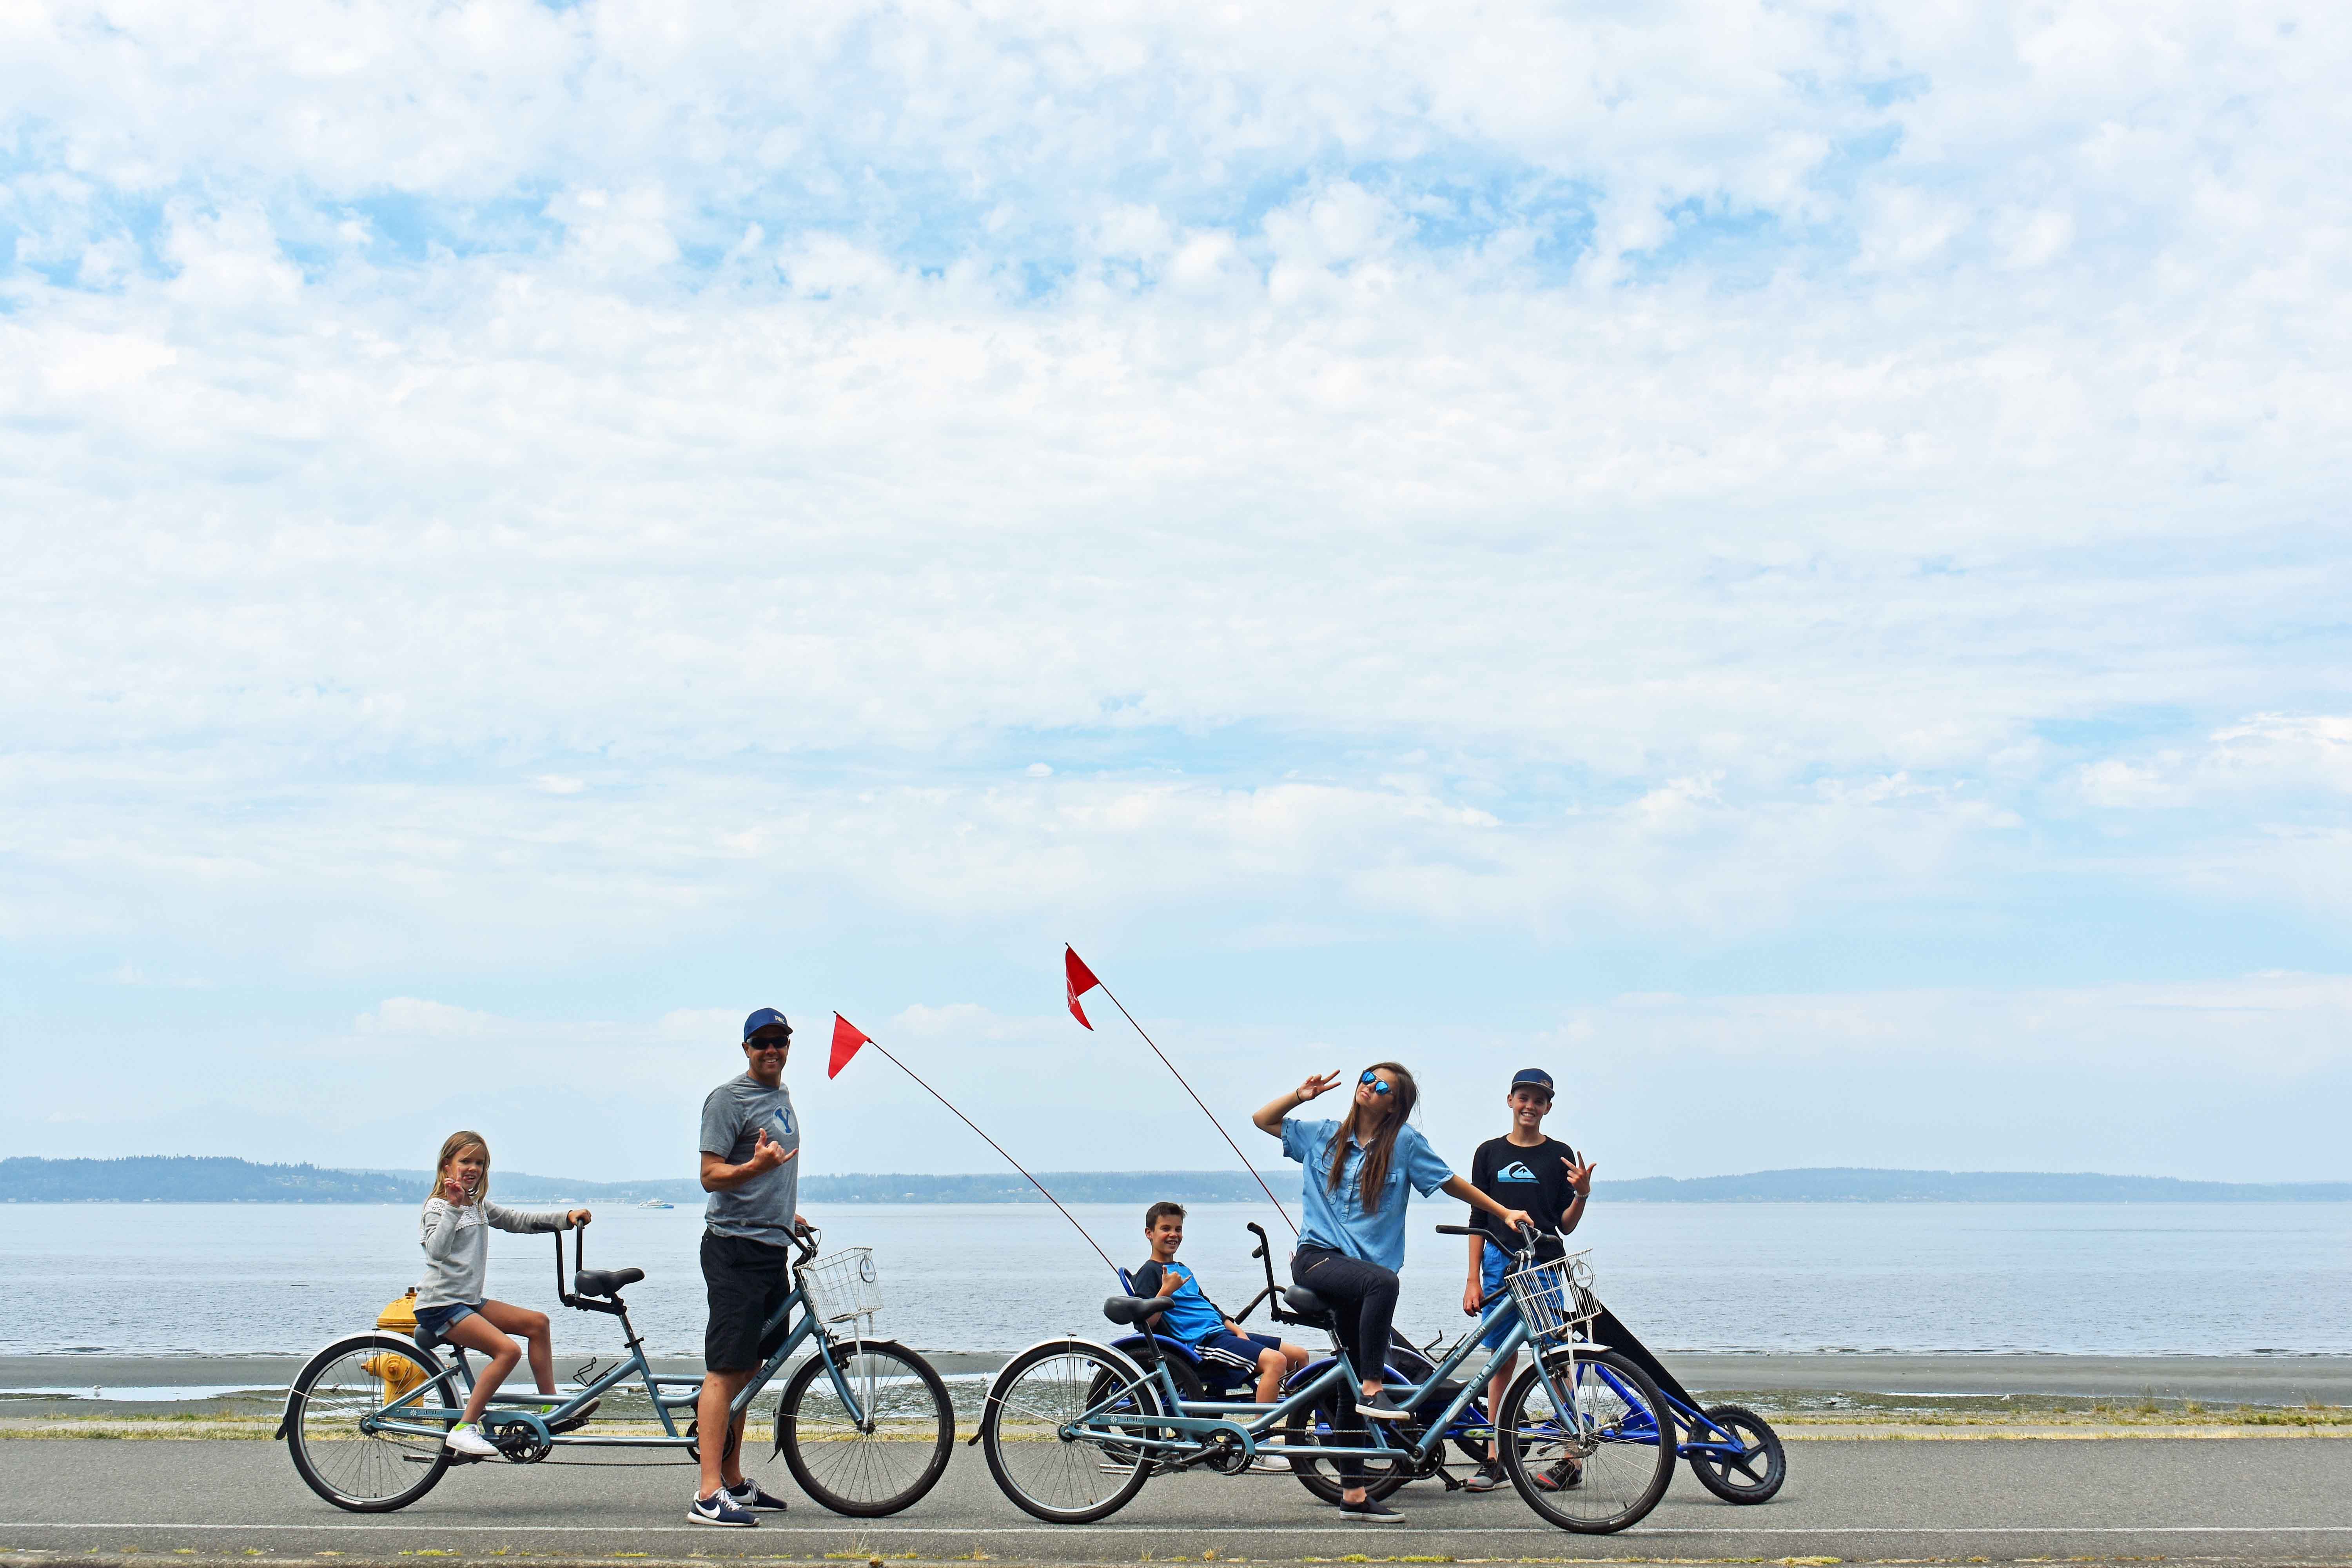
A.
pixel 865 1425
pixel 1073 1429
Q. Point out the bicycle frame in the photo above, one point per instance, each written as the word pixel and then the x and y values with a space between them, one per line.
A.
pixel 410 1416
pixel 1197 1422
pixel 1706 1436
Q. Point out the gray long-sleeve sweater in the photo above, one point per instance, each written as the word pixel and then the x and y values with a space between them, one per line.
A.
pixel 457 1247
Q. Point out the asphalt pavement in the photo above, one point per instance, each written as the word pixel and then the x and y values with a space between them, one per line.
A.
pixel 2253 1499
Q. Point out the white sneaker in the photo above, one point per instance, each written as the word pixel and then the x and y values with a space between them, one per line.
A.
pixel 469 1440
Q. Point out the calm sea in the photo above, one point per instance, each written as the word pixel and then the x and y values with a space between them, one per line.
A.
pixel 2066 1277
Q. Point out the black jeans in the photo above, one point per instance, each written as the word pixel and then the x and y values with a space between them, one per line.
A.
pixel 1363 1298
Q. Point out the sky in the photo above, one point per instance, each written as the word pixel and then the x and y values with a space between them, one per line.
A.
pixel 1785 563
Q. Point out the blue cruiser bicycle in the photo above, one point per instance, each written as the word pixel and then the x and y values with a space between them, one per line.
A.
pixel 864 1424
pixel 1073 1429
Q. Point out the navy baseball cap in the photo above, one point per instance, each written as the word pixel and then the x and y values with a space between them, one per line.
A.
pixel 769 1018
pixel 1532 1078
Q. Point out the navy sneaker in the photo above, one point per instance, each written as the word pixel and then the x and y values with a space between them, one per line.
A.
pixel 1380 1407
pixel 718 1508
pixel 749 1495
pixel 1371 1510
pixel 1561 1477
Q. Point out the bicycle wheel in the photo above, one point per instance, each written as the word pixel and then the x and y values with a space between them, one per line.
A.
pixel 1616 1434
pixel 350 1381
pixel 1754 1477
pixel 1312 1428
pixel 1069 1480
pixel 884 1463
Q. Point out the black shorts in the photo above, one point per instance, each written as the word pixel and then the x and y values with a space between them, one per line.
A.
pixel 747 1282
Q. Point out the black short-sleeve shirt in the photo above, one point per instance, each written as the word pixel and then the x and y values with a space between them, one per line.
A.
pixel 1531 1179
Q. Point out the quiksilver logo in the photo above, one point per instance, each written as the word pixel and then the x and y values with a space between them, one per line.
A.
pixel 1516 1170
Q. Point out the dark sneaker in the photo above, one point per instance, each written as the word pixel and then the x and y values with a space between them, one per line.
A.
pixel 718 1508
pixel 1561 1477
pixel 1485 1478
pixel 1380 1407
pixel 576 1420
pixel 749 1495
pixel 1371 1510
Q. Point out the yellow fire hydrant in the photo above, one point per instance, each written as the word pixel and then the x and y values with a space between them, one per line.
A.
pixel 397 1373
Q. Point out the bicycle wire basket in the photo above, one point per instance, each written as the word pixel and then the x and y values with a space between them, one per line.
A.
pixel 843 1284
pixel 1555 1297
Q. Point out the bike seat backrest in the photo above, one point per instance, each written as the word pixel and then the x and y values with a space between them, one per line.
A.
pixel 1306 1302
pixel 603 1281
pixel 1135 1309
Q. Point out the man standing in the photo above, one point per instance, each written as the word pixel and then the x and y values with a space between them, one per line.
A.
pixel 1522 1170
pixel 750 1139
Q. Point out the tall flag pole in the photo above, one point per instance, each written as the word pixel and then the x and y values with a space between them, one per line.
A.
pixel 1077 980
pixel 847 1039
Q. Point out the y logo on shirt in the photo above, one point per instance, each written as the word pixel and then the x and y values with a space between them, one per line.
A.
pixel 784 1120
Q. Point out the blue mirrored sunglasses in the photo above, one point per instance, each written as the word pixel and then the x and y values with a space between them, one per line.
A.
pixel 1379 1085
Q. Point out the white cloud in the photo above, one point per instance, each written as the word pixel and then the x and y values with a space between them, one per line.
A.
pixel 526 496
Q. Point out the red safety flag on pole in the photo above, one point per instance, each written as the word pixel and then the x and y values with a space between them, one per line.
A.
pixel 846 1038
pixel 1081 980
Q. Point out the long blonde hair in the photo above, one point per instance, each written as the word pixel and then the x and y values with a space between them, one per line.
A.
pixel 453 1145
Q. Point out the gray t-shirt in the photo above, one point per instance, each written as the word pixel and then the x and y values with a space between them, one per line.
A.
pixel 732 1117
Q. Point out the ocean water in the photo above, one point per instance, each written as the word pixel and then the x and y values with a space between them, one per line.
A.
pixel 2083 1278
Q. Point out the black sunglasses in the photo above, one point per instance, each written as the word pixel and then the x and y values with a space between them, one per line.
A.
pixel 782 1042
pixel 1379 1085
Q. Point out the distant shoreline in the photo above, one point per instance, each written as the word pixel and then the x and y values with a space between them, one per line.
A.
pixel 165 1179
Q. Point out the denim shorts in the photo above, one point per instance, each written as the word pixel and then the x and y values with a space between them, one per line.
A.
pixel 1492 1266
pixel 436 1321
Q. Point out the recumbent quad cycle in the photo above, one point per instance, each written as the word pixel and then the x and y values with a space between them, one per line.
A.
pixel 865 1425
pixel 1732 1451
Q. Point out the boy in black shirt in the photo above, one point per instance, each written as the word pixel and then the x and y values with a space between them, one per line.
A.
pixel 1522 1170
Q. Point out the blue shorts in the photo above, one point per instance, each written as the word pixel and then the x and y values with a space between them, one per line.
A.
pixel 435 1323
pixel 1494 1263
pixel 1226 1348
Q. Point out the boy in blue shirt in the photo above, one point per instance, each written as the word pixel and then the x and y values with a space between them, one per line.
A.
pixel 1197 1320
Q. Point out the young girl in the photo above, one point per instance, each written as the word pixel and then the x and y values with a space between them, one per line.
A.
pixel 1360 1173
pixel 449 1300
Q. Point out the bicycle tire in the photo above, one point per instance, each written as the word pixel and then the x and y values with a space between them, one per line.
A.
pixel 334 1389
pixel 917 1405
pixel 1074 1481
pixel 1624 1469
pixel 1308 1427
pixel 1722 1477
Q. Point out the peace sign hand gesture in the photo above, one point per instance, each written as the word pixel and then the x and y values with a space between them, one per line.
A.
pixel 1580 1177
pixel 1316 1086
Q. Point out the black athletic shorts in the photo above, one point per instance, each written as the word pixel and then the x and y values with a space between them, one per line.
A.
pixel 747 1281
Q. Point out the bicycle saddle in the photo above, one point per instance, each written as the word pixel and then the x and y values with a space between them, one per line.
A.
pixel 603 1281
pixel 1306 1302
pixel 1135 1309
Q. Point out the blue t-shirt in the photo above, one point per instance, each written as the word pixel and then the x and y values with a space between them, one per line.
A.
pixel 1191 1316
pixel 1338 1221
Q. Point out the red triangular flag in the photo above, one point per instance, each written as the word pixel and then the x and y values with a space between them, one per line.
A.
pixel 1080 978
pixel 846 1038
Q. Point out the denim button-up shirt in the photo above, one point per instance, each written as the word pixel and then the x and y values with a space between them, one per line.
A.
pixel 1338 1221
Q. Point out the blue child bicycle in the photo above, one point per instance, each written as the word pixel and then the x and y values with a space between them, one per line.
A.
pixel 865 1425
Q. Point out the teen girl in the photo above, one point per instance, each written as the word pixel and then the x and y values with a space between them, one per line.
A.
pixel 1360 1172
pixel 449 1300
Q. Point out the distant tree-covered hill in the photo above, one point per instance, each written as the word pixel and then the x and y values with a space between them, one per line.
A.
pixel 185 1179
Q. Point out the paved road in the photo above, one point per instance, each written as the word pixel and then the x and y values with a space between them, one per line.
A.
pixel 2247 1499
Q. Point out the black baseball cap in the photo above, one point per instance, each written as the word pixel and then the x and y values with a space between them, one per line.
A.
pixel 1532 1078
pixel 765 1019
